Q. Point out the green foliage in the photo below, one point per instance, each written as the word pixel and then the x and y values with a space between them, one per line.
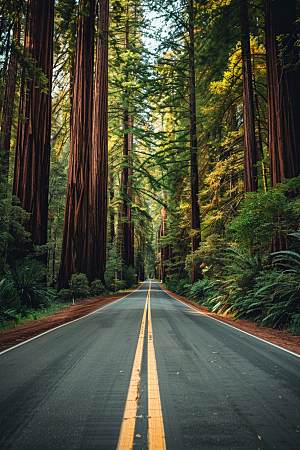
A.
pixel 97 287
pixel 180 286
pixel 128 277
pixel 263 214
pixel 203 290
pixel 65 295
pixel 79 285
pixel 11 226
pixel 28 278
pixel 113 268
pixel 240 284
pixel 9 299
pixel 14 317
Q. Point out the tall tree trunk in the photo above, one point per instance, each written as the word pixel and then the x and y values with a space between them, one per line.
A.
pixel 283 98
pixel 283 90
pixel 9 99
pixel 250 169
pixel 124 178
pixel 164 248
pixel 112 214
pixel 99 174
pixel 130 198
pixel 259 132
pixel 78 207
pixel 31 176
pixel 195 210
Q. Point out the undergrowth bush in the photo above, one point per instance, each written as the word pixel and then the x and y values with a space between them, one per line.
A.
pixel 128 276
pixel 246 285
pixel 180 287
pixel 28 278
pixel 9 299
pixel 203 290
pixel 79 285
pixel 65 295
pixel 97 287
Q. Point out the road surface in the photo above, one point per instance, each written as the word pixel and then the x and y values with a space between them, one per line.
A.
pixel 149 372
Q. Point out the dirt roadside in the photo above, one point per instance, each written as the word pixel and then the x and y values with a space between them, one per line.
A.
pixel 14 336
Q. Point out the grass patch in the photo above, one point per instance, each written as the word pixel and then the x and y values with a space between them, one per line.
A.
pixel 17 319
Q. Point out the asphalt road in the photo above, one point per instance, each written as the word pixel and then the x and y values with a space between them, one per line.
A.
pixel 220 388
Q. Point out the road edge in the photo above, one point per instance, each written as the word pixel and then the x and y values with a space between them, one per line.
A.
pixel 214 316
pixel 62 325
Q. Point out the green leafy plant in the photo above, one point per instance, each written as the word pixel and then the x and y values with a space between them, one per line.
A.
pixel 28 279
pixel 9 299
pixel 180 286
pixel 97 287
pixel 65 295
pixel 263 214
pixel 203 290
pixel 128 276
pixel 79 285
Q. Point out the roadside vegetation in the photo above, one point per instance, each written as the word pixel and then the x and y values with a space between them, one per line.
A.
pixel 240 275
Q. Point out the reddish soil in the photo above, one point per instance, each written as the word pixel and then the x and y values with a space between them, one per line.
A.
pixel 14 336
pixel 282 338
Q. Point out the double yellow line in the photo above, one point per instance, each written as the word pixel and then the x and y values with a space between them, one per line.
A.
pixel 156 435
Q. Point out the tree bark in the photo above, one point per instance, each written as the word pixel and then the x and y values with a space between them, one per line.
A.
pixel 31 175
pixel 124 178
pixel 195 210
pixel 9 100
pixel 250 159
pixel 283 90
pixel 77 224
pixel 112 215
pixel 130 198
pixel 163 233
pixel 99 174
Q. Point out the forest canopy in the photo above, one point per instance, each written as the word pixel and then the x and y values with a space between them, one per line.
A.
pixel 152 139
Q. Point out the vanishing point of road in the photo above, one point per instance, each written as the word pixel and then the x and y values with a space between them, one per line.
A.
pixel 149 372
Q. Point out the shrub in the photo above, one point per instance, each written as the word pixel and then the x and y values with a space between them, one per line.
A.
pixel 9 299
pixel 128 276
pixel 179 287
pixel 203 290
pixel 79 285
pixel 263 214
pixel 27 276
pixel 118 285
pixel 97 287
pixel 65 294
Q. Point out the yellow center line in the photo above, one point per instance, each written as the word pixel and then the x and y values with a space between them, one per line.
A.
pixel 129 417
pixel 156 434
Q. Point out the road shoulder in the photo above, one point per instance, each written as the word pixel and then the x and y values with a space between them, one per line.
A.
pixel 281 338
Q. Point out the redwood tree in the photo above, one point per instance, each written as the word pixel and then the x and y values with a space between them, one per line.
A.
pixel 77 224
pixel 124 177
pixel 99 173
pixel 250 169
pixel 195 211
pixel 130 198
pixel 9 100
pixel 31 175
pixel 283 90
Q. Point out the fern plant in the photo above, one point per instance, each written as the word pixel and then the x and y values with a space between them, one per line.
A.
pixel 27 277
